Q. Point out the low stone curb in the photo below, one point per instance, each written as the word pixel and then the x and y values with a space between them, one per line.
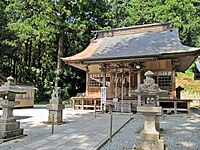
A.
pixel 103 142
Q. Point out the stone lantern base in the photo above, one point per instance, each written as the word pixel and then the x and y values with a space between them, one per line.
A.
pixel 149 144
pixel 10 129
pixel 149 138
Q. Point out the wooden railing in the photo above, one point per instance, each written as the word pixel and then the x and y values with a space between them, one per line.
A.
pixel 175 105
pixel 85 103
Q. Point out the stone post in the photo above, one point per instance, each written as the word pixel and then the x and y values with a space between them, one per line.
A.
pixel 9 127
pixel 55 107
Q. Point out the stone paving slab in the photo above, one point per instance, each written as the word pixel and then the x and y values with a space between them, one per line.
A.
pixel 84 133
pixel 36 144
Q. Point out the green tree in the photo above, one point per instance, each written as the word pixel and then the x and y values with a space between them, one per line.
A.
pixel 48 30
pixel 182 13
pixel 118 13
pixel 8 50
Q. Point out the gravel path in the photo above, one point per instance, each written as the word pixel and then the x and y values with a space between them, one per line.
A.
pixel 181 132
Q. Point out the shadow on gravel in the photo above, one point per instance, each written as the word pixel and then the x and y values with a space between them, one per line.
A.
pixel 196 110
pixel 21 117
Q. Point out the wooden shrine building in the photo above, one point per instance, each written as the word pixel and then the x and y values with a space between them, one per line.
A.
pixel 118 58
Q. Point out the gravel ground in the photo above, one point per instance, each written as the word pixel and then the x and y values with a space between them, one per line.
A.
pixel 31 120
pixel 181 132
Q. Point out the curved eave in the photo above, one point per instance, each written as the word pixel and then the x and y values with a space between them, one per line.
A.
pixel 87 53
pixel 182 65
pixel 69 60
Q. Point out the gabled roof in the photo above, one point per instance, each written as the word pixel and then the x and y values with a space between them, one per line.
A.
pixel 154 40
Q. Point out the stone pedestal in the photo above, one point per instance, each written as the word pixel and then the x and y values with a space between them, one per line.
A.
pixel 149 137
pixel 55 110
pixel 55 107
pixel 9 127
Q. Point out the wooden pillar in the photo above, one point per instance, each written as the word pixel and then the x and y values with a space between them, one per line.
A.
pixel 82 104
pixel 138 84
pixel 104 78
pixel 73 104
pixel 103 69
pixel 112 80
pixel 175 107
pixel 188 107
pixel 129 83
pixel 87 81
pixel 173 84
pixel 95 104
pixel 122 92
pixel 116 80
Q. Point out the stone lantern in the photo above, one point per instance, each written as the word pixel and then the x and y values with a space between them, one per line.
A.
pixel 149 138
pixel 9 127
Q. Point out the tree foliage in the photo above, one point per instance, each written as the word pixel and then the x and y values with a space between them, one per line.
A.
pixel 35 34
pixel 184 14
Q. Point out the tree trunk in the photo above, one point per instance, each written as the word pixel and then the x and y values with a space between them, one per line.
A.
pixel 38 56
pixel 30 54
pixel 14 68
pixel 60 51
pixel 23 53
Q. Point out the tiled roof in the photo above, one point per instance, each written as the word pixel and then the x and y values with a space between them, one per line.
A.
pixel 140 45
pixel 132 46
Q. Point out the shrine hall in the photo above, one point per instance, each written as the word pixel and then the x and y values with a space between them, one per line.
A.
pixel 116 59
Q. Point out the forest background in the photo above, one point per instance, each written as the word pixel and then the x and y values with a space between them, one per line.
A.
pixel 35 34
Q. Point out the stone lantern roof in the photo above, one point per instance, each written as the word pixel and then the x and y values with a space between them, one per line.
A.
pixel 10 87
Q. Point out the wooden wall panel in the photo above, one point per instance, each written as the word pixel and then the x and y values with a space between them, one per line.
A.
pixel 159 65
pixel 95 91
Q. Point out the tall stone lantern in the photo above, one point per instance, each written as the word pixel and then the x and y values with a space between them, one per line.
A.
pixel 149 138
pixel 9 127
